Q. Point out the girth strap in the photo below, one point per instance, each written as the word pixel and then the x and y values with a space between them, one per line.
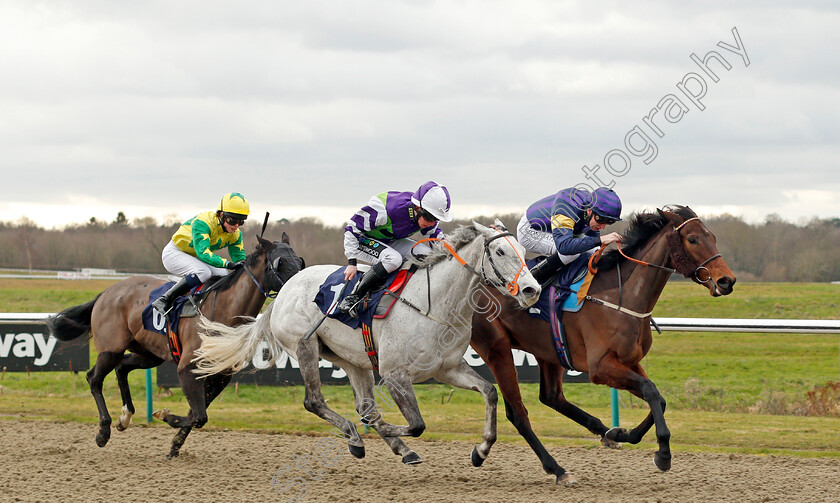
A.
pixel 370 347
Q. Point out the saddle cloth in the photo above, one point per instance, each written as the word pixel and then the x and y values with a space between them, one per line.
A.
pixel 327 298
pixel 156 322
pixel 565 284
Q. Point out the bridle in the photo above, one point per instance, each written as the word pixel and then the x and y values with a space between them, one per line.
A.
pixel 511 286
pixel 271 267
pixel 593 260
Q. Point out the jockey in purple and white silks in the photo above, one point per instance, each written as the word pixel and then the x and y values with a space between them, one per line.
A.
pixel 378 234
pixel 564 225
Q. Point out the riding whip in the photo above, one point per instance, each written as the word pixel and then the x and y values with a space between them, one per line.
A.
pixel 265 223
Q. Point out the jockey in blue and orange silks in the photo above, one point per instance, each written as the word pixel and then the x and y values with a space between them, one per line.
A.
pixel 378 234
pixel 190 252
pixel 564 225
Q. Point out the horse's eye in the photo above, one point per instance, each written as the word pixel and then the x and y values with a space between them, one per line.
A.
pixel 500 252
pixel 692 241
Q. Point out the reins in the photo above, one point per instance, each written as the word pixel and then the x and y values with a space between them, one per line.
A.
pixel 593 261
pixel 512 286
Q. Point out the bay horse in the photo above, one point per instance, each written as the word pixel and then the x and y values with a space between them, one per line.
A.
pixel 412 344
pixel 114 320
pixel 604 341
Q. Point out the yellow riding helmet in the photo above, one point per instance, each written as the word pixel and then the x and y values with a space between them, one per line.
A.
pixel 234 202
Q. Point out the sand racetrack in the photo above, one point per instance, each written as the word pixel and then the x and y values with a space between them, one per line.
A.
pixel 44 461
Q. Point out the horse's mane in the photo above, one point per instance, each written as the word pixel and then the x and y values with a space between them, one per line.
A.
pixel 643 226
pixel 462 236
pixel 229 280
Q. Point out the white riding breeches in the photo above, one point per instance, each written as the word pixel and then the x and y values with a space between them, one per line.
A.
pixel 181 263
pixel 392 255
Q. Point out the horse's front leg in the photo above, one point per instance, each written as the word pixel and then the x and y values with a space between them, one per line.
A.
pixel 613 373
pixel 194 391
pixel 463 376
pixel 213 386
pixel 402 391
pixel 500 360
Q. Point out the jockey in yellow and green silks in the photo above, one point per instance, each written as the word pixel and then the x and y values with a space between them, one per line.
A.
pixel 190 252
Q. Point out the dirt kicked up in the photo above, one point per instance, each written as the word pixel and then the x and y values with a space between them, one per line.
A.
pixel 56 462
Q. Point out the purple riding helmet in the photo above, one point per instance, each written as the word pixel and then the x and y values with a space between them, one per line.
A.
pixel 606 203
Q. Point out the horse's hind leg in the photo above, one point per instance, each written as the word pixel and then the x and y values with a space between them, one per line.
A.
pixel 366 407
pixel 463 376
pixel 105 363
pixel 314 400
pixel 612 373
pixel 131 361
pixel 551 394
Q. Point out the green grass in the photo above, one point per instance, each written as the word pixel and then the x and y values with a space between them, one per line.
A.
pixel 726 392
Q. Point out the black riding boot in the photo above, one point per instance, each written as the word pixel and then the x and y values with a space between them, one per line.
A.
pixel 546 270
pixel 164 302
pixel 373 278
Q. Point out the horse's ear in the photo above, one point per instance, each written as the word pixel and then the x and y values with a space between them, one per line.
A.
pixel 500 225
pixel 482 229
pixel 266 244
pixel 670 216
pixel 285 238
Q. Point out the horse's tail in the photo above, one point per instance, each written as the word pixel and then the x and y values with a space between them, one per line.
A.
pixel 73 322
pixel 226 348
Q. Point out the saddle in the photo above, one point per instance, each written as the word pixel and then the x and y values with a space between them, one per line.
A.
pixel 185 306
pixel 332 291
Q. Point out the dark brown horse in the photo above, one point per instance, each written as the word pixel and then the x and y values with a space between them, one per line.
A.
pixel 113 319
pixel 604 341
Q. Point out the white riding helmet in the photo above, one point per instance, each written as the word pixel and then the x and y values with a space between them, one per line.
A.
pixel 435 199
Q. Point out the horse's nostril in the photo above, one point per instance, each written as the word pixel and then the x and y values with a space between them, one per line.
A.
pixel 725 283
pixel 529 291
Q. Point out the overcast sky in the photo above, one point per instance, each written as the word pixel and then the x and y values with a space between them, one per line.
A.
pixel 309 108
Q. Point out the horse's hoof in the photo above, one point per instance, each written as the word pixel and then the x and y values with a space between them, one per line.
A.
pixel 616 435
pixel 566 479
pixel 125 419
pixel 476 458
pixel 358 452
pixel 662 461
pixel 412 459
pixel 102 438
pixel 610 444
pixel 161 414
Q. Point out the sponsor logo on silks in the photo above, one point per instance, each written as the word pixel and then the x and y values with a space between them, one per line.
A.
pixel 370 242
pixel 411 212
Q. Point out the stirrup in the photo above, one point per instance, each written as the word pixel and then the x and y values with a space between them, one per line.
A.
pixel 353 309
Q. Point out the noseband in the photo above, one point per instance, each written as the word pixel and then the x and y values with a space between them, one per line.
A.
pixel 512 286
pixel 695 275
